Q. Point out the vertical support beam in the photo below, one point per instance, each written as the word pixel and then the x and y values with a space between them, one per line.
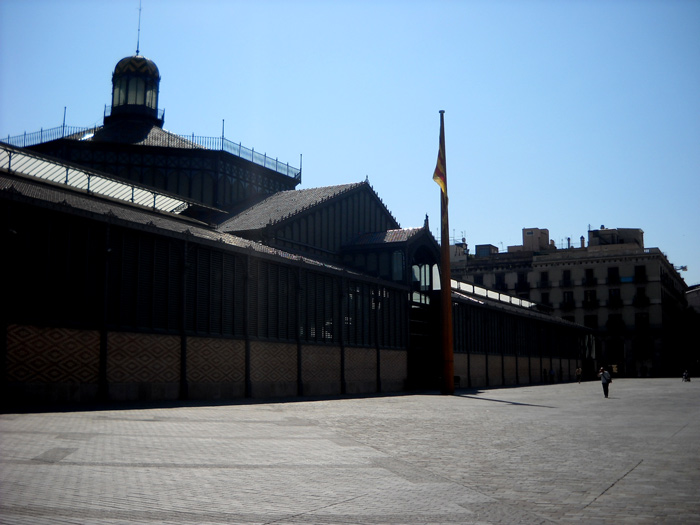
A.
pixel 516 348
pixel 343 296
pixel 102 382
pixel 503 340
pixel 487 343
pixel 184 385
pixel 376 337
pixel 299 317
pixel 246 325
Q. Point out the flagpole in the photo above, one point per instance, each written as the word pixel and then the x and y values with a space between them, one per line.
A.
pixel 448 384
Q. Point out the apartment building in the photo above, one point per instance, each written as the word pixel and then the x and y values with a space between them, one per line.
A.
pixel 631 296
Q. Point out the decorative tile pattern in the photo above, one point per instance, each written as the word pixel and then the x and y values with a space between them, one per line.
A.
pixel 360 364
pixel 273 362
pixel 52 355
pixel 211 360
pixel 478 369
pixel 320 363
pixel 495 369
pixel 394 364
pixel 523 371
pixel 509 366
pixel 143 358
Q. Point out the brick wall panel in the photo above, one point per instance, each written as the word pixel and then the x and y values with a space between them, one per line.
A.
pixel 52 355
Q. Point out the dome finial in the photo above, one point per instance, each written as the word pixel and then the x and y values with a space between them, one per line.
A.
pixel 138 34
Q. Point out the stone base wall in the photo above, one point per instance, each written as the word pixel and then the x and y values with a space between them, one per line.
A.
pixel 360 370
pixel 495 373
pixel 215 368
pixel 478 370
pixel 143 367
pixel 52 365
pixel 273 369
pixel 523 371
pixel 320 370
pixel 536 367
pixel 509 365
pixel 394 370
pixel 461 364
pixel 59 365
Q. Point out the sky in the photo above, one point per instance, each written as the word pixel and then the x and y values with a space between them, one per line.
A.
pixel 565 115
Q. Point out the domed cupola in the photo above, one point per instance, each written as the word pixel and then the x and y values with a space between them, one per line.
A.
pixel 135 84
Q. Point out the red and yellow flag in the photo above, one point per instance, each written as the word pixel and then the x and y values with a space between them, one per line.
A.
pixel 440 174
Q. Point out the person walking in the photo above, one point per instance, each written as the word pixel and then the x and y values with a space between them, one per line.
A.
pixel 605 379
pixel 578 374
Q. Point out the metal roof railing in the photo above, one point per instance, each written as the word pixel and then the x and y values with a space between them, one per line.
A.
pixel 190 141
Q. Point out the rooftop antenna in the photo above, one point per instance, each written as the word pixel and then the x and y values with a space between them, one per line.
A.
pixel 138 37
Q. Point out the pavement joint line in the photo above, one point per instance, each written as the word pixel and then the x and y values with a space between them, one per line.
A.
pixel 311 511
pixel 559 453
pixel 614 483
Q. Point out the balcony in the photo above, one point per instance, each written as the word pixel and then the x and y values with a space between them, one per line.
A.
pixel 615 302
pixel 566 283
pixel 589 281
pixel 615 325
pixel 641 301
pixel 590 304
pixel 522 287
pixel 567 306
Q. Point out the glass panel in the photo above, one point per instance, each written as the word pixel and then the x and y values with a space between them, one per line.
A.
pixel 119 92
pixel 132 91
pixel 140 91
pixel 151 97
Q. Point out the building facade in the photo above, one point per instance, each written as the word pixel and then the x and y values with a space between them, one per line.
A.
pixel 144 265
pixel 631 296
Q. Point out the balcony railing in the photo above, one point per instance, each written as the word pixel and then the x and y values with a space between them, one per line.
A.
pixel 522 286
pixel 190 141
pixel 567 306
pixel 615 302
pixel 590 303
pixel 641 301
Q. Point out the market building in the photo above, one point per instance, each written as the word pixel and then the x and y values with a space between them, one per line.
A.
pixel 146 265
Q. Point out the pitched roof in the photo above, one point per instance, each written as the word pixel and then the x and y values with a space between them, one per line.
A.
pixel 140 133
pixel 387 237
pixel 282 205
pixel 28 187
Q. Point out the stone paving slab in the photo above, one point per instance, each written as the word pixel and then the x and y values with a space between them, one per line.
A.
pixel 530 455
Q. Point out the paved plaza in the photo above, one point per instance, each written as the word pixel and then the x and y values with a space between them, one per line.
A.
pixel 539 454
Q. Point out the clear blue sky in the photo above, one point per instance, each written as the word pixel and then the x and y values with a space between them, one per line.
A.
pixel 559 114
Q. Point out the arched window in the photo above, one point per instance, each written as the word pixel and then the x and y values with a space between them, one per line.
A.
pixel 136 93
pixel 119 95
pixel 152 96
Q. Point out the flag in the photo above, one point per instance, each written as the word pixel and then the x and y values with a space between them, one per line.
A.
pixel 440 174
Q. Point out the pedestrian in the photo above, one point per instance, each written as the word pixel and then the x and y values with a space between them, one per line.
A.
pixel 686 377
pixel 578 374
pixel 605 379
